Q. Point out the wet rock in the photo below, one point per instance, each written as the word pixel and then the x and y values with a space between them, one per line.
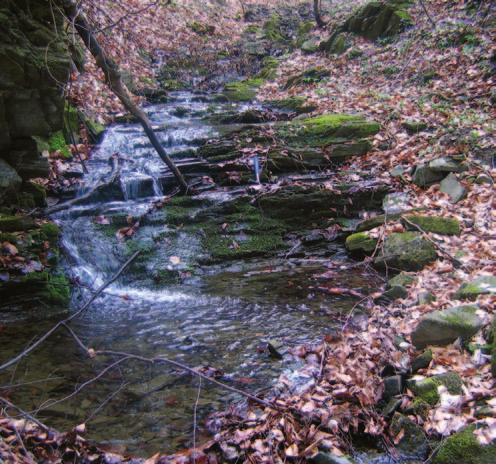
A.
pixel 446 164
pixel 424 176
pixel 453 188
pixel 463 447
pixel 413 443
pixel 242 90
pixel 413 127
pixel 407 251
pixel 445 326
pixel 377 19
pixel 484 179
pixel 422 361
pixel 393 386
pixel 436 225
pixel 391 407
pixel 9 223
pixel 361 242
pixel 482 285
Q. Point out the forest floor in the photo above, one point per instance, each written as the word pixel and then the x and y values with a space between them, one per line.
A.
pixel 440 75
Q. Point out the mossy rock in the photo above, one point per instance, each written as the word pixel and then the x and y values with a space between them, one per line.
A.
pixel 413 127
pixel 436 225
pixel 404 279
pixel 445 326
pixel 424 176
pixel 242 90
pixel 309 76
pixel 298 105
pixel 361 242
pixel 413 443
pixel 310 46
pixel 482 285
pixel 337 44
pixel 379 19
pixel 427 389
pixel 407 251
pixel 273 30
pixel 16 223
pixel 37 191
pixel 422 361
pixel 463 447
pixel 269 68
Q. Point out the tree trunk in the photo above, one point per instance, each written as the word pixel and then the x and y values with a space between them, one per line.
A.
pixel 114 81
pixel 316 12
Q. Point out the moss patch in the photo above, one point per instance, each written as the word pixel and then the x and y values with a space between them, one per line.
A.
pixel 361 242
pixel 463 447
pixel 53 289
pixel 57 143
pixel 437 225
pixel 242 90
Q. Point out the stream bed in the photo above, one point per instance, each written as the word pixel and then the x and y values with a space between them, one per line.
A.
pixel 217 315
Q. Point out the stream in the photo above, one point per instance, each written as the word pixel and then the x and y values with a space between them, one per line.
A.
pixel 217 315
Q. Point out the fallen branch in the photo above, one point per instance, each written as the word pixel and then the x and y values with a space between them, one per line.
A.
pixel 113 79
pixel 23 413
pixel 40 340
pixel 113 177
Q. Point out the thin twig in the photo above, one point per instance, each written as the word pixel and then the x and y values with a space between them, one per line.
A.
pixel 24 413
pixel 195 410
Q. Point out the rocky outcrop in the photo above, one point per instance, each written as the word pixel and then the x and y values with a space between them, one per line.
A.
pixel 35 60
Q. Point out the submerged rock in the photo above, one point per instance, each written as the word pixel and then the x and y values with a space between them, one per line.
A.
pixel 445 326
pixel 407 251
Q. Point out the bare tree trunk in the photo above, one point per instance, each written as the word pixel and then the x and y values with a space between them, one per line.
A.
pixel 316 12
pixel 114 81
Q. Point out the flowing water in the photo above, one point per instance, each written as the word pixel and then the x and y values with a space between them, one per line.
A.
pixel 217 315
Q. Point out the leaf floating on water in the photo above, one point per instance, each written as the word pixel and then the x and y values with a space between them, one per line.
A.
pixel 175 260
pixel 101 220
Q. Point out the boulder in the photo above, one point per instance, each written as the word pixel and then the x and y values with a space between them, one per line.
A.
pixel 463 447
pixel 422 361
pixel 453 188
pixel 436 225
pixel 425 298
pixel 9 180
pixel 424 176
pixel 337 44
pixel 310 46
pixel 296 104
pixel 404 279
pixel 407 251
pixel 482 285
pixel 445 326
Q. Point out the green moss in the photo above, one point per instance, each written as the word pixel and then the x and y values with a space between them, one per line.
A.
pixel 57 143
pixel 252 29
pixel 273 31
pixel 5 237
pixel 309 76
pixel 480 286
pixel 269 68
pixel 50 288
pixel 402 279
pixel 361 242
pixel 437 225
pixel 427 389
pixel 242 90
pixel 339 126
pixel 420 407
pixel 463 447
pixel 296 104
pixel 50 232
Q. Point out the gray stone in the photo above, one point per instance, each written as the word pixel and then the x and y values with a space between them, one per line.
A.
pixel 310 46
pixel 413 127
pixel 482 285
pixel 394 293
pixel 445 326
pixel 445 164
pixel 403 279
pixel 9 179
pixel 453 188
pixel 328 458
pixel 391 407
pixel 425 176
pixel 396 202
pixel 397 171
